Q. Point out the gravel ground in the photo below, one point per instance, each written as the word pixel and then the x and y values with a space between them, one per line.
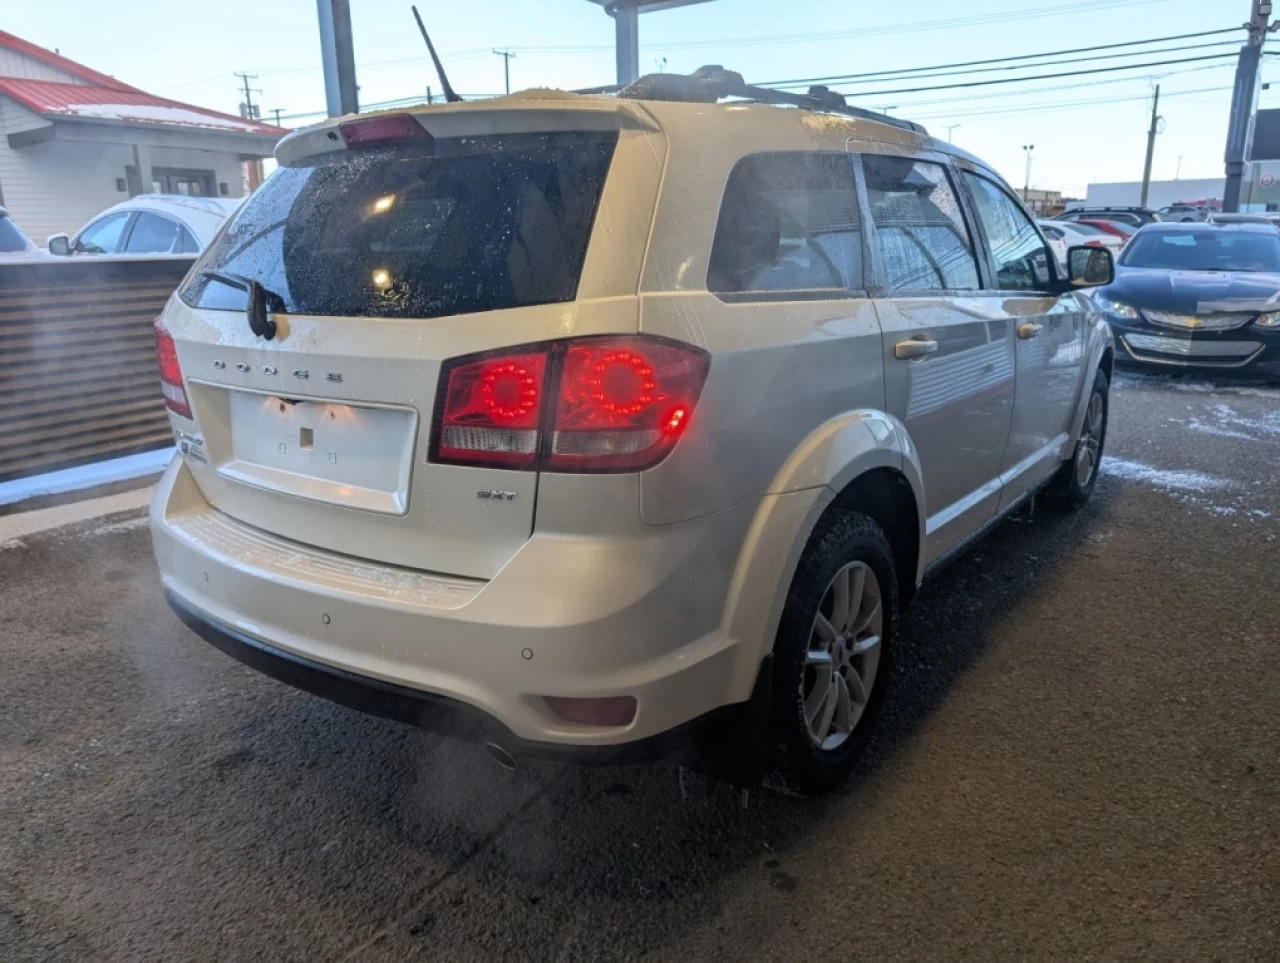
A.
pixel 1081 762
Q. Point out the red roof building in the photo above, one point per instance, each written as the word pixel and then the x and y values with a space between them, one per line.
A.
pixel 74 141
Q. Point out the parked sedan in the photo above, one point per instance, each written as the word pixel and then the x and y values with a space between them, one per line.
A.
pixel 1066 234
pixel 1120 229
pixel 150 224
pixel 1202 295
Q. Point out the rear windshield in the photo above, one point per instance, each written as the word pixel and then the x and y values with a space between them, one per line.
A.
pixel 467 224
pixel 1204 251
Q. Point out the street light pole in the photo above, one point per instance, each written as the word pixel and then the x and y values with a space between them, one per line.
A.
pixel 1026 181
pixel 950 128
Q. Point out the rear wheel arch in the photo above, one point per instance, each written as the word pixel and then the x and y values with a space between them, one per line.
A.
pixel 886 496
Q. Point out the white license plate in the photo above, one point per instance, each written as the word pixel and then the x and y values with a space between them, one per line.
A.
pixel 353 455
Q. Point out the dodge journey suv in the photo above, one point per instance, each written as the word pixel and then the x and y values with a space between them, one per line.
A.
pixel 608 427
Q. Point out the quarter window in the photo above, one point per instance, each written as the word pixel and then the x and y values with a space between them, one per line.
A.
pixel 1022 262
pixel 920 231
pixel 788 223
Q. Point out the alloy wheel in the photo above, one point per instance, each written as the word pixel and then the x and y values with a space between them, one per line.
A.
pixel 1090 446
pixel 843 655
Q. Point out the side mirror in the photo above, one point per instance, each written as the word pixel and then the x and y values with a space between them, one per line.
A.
pixel 1089 267
pixel 60 245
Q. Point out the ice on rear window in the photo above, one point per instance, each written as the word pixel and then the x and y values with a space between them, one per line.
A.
pixel 470 224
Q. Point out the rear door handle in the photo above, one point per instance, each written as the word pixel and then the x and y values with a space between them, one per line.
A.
pixel 914 348
pixel 1029 330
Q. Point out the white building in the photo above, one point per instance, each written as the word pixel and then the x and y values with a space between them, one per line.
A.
pixel 1159 194
pixel 74 141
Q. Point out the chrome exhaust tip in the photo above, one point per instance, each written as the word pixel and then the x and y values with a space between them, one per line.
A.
pixel 501 756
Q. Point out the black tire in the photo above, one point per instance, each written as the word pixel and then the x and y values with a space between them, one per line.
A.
pixel 843 538
pixel 1066 492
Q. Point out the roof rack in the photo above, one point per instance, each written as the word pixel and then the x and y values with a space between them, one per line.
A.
pixel 711 83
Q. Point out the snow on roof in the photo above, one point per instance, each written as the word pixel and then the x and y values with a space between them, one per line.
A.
pixel 101 97
pixel 157 114
pixel 54 100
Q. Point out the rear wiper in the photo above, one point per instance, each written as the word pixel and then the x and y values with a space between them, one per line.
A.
pixel 260 323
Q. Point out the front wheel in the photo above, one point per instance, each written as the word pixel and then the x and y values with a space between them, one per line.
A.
pixel 1075 480
pixel 833 651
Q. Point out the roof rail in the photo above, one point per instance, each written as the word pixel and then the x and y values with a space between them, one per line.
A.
pixel 711 83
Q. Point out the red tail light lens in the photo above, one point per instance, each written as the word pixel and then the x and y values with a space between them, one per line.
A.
pixel 587 405
pixel 623 403
pixel 175 395
pixel 491 410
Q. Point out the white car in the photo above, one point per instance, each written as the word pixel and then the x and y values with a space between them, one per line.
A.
pixel 581 426
pixel 150 224
pixel 1064 234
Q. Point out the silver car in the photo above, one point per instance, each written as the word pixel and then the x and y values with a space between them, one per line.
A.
pixel 605 428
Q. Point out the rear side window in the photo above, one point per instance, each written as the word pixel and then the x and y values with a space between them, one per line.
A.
pixel 464 225
pixel 788 223
pixel 920 232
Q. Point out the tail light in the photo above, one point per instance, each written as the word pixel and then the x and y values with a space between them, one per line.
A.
pixel 610 404
pixel 175 395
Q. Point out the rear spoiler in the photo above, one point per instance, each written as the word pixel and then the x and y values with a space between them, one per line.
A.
pixel 530 112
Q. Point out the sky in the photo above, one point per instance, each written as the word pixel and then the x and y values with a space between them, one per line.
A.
pixel 1084 129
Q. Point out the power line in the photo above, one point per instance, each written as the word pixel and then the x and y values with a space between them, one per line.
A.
pixel 998 60
pixel 943 72
pixel 996 94
pixel 1015 80
pixel 1058 105
pixel 914 26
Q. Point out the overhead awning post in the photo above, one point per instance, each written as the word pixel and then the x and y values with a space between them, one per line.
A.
pixel 337 54
pixel 626 21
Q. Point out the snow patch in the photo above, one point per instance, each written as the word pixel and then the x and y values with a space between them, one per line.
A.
pixel 128 525
pixel 158 114
pixel 1179 481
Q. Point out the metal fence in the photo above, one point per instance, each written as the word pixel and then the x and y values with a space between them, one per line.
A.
pixel 78 379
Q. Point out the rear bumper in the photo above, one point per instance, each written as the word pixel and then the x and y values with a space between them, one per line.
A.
pixel 714 740
pixel 1248 350
pixel 565 617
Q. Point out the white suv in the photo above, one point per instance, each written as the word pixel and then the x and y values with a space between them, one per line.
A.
pixel 608 427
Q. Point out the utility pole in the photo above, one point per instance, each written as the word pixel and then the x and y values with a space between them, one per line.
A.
pixel 278 111
pixel 950 128
pixel 1244 101
pixel 1151 146
pixel 506 56
pixel 430 96
pixel 1026 180
pixel 248 109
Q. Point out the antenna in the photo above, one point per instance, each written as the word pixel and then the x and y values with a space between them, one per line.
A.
pixel 450 95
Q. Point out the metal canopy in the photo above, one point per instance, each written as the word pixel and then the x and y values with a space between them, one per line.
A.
pixel 626 19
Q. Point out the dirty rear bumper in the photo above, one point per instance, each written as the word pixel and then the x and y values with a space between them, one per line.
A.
pixel 731 742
